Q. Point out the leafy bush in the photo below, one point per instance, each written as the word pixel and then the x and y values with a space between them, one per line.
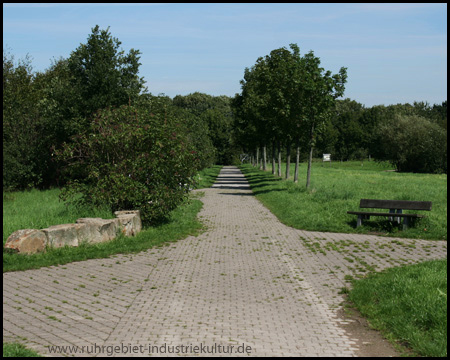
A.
pixel 414 144
pixel 130 159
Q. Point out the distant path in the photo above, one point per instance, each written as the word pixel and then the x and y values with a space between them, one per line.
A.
pixel 248 280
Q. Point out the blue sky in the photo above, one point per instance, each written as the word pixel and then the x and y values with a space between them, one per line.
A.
pixel 395 53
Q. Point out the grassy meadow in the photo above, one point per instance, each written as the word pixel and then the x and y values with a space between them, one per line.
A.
pixel 338 187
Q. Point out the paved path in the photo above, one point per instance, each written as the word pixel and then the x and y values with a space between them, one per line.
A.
pixel 249 282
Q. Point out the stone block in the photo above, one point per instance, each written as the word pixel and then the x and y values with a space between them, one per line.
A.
pixel 27 241
pixel 90 230
pixel 130 221
pixel 99 230
pixel 64 234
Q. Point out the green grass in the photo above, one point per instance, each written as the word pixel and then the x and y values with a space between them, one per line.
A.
pixel 18 350
pixel 207 177
pixel 40 209
pixel 338 187
pixel 37 209
pixel 408 305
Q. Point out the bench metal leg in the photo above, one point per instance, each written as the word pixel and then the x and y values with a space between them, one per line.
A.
pixel 405 223
pixel 392 211
pixel 397 219
pixel 360 218
pixel 359 221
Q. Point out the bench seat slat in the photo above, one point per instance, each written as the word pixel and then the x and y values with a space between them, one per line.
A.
pixel 384 214
pixel 395 204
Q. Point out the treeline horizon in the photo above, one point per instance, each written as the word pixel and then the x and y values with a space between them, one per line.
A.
pixel 44 111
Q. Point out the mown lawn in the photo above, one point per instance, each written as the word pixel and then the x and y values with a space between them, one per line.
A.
pixel 408 305
pixel 338 187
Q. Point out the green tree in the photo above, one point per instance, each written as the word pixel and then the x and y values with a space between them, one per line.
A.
pixel 22 127
pixel 215 113
pixel 102 74
pixel 253 109
pixel 350 141
pixel 284 87
pixel 320 90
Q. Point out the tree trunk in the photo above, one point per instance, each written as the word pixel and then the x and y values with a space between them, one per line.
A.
pixel 273 157
pixel 297 160
pixel 257 156
pixel 308 176
pixel 264 158
pixel 288 159
pixel 279 158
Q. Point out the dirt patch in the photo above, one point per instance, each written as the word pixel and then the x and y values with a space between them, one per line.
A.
pixel 371 342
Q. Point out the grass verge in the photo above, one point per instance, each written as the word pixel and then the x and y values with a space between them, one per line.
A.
pixel 408 305
pixel 18 350
pixel 207 177
pixel 182 223
pixel 338 187
pixel 36 209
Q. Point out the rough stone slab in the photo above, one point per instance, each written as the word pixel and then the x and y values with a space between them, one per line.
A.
pixel 130 221
pixel 98 230
pixel 64 234
pixel 27 241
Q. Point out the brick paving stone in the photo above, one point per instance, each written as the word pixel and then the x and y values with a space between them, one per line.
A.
pixel 248 281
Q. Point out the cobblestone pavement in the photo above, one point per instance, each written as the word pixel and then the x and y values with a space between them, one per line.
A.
pixel 248 281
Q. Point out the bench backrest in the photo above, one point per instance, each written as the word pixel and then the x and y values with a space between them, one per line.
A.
pixel 395 204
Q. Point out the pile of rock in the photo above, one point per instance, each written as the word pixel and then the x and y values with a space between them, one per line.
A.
pixel 90 230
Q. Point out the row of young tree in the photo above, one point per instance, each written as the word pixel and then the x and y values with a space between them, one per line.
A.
pixel 288 100
pixel 88 124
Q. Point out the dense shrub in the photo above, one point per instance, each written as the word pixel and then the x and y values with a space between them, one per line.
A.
pixel 414 144
pixel 130 159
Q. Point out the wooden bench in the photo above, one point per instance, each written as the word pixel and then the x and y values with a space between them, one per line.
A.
pixel 395 207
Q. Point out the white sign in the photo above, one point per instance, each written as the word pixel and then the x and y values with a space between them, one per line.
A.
pixel 326 157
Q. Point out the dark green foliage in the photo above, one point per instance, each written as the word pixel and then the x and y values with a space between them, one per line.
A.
pixel 43 110
pixel 213 124
pixel 102 75
pixel 22 128
pixel 411 137
pixel 130 159
pixel 413 144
